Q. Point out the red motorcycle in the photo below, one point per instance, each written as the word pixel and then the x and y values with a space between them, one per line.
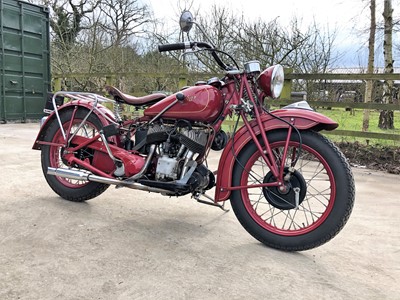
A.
pixel 289 186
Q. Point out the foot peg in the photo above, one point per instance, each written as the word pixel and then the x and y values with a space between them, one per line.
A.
pixel 210 202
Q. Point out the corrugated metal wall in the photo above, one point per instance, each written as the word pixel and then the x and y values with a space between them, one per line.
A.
pixel 24 60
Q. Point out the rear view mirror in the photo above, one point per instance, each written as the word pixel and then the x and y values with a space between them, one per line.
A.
pixel 186 21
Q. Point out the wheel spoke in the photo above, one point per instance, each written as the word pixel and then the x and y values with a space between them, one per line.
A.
pixel 88 131
pixel 260 197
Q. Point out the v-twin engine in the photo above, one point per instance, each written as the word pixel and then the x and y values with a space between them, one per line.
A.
pixel 174 160
pixel 178 149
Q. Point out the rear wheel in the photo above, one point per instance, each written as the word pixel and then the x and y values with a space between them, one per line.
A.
pixel 312 206
pixel 71 189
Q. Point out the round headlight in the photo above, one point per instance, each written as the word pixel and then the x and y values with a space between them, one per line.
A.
pixel 271 81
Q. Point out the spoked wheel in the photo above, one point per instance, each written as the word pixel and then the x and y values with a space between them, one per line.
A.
pixel 52 156
pixel 313 204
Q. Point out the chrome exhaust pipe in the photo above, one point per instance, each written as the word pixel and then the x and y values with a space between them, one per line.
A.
pixel 83 175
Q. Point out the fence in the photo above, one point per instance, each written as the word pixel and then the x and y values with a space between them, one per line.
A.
pixel 352 86
pixel 333 91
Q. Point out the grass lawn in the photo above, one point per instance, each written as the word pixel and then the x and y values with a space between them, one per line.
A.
pixel 352 120
pixel 348 120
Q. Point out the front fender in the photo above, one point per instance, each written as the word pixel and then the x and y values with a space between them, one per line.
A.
pixel 102 112
pixel 302 119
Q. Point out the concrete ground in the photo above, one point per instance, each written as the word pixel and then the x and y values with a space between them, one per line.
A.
pixel 127 244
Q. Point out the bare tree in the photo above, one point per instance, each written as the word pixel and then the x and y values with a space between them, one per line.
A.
pixel 220 24
pixel 371 58
pixel 267 41
pixel 270 42
pixel 124 19
pixel 67 19
pixel 96 37
pixel 386 117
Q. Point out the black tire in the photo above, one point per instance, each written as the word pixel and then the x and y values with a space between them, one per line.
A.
pixel 72 190
pixel 270 215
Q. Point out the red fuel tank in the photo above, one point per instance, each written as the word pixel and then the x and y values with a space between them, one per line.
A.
pixel 202 103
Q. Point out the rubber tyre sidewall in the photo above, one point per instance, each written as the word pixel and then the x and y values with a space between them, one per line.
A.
pixel 339 214
pixel 86 192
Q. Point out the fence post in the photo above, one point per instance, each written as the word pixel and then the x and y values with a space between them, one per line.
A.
pixel 367 98
pixel 109 80
pixel 287 85
pixel 182 81
pixel 57 84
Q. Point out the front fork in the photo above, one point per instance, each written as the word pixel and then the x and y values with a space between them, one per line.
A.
pixel 277 167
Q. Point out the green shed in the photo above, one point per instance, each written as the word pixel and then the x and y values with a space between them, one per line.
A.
pixel 24 60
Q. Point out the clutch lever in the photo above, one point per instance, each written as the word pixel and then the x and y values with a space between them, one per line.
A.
pixel 193 51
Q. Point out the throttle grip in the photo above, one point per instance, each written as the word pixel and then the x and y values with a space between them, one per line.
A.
pixel 176 46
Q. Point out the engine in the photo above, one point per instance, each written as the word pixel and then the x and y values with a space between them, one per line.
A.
pixel 173 165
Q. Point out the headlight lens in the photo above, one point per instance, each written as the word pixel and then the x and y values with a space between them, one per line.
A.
pixel 271 81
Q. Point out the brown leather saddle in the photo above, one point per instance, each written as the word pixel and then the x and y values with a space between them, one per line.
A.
pixel 131 100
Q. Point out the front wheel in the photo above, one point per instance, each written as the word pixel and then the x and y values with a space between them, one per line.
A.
pixel 315 202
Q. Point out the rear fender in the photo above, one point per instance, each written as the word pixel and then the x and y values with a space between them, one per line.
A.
pixel 302 119
pixel 102 112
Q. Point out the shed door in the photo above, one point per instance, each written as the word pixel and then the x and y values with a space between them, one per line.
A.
pixel 24 60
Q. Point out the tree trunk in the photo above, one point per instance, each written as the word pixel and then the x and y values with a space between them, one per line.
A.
pixel 386 119
pixel 371 57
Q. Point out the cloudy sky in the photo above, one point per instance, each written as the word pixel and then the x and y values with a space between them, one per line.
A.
pixel 332 11
pixel 348 17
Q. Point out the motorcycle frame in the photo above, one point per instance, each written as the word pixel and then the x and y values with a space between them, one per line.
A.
pixel 233 103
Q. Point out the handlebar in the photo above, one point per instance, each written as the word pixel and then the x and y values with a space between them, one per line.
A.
pixel 189 45
pixel 177 46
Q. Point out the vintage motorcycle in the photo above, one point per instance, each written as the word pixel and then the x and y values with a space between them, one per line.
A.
pixel 289 186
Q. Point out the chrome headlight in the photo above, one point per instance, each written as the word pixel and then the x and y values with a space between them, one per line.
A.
pixel 271 81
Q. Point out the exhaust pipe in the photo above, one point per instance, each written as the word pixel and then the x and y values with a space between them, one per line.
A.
pixel 82 175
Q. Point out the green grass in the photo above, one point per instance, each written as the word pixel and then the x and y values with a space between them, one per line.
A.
pixel 352 120
pixel 348 120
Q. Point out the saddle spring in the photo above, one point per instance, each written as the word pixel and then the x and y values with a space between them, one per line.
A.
pixel 118 111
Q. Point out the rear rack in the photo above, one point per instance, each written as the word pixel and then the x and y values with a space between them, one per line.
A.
pixel 95 98
pixel 79 96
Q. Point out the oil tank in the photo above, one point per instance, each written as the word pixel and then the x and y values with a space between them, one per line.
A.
pixel 24 60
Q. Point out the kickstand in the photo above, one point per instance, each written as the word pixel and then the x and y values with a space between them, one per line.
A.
pixel 211 202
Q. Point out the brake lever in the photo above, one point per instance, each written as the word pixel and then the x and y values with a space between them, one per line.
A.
pixel 190 52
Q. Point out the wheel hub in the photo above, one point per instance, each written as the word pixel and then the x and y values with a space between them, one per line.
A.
pixel 82 154
pixel 284 196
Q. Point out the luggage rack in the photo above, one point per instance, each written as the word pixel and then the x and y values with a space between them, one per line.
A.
pixel 84 96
